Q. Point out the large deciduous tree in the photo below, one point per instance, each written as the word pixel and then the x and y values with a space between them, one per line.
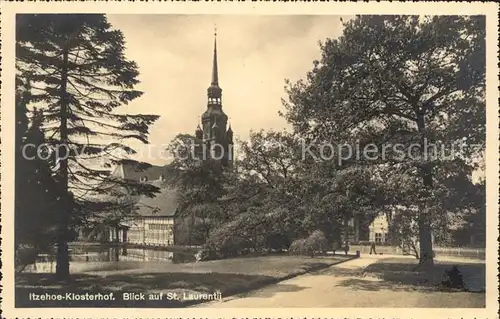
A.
pixel 402 80
pixel 295 194
pixel 201 183
pixel 80 77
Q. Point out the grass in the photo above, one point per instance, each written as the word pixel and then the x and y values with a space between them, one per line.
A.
pixel 396 282
pixel 404 273
pixel 229 276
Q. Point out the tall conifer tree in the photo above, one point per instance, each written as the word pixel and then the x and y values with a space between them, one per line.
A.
pixel 80 75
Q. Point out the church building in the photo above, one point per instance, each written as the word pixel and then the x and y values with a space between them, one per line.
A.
pixel 214 134
pixel 157 222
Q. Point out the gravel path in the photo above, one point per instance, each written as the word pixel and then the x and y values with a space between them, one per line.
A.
pixel 345 285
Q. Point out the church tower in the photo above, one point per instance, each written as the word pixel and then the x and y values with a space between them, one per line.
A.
pixel 214 132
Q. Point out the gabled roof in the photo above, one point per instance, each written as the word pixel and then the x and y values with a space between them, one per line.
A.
pixel 137 171
pixel 163 204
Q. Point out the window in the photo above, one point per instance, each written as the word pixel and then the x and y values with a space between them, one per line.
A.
pixel 378 238
pixel 144 179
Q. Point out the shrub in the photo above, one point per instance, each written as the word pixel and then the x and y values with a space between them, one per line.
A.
pixel 453 279
pixel 236 238
pixel 224 243
pixel 205 253
pixel 300 247
pixel 316 242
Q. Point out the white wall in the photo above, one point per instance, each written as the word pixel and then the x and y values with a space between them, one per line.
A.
pixel 380 226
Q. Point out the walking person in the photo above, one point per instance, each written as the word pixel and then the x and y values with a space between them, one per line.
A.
pixel 346 247
pixel 372 248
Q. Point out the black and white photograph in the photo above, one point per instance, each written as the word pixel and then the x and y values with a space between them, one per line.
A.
pixel 164 160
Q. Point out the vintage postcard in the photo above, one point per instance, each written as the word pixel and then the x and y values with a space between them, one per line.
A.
pixel 256 160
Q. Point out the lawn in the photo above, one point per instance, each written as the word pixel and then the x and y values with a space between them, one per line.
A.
pixel 404 272
pixel 396 282
pixel 228 277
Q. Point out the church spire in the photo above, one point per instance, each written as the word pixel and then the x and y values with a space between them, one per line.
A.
pixel 215 71
pixel 214 91
pixel 214 120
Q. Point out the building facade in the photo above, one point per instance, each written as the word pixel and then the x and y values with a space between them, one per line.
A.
pixel 156 218
pixel 379 229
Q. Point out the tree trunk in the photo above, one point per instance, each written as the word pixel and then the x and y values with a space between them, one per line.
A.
pixel 424 220
pixel 346 229
pixel 337 233
pixel 356 229
pixel 62 259
pixel 425 241
pixel 191 229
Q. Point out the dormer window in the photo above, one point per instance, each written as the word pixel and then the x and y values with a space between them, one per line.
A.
pixel 144 179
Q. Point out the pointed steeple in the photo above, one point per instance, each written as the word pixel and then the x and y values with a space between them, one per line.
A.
pixel 199 132
pixel 215 70
pixel 214 91
pixel 229 135
pixel 214 120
